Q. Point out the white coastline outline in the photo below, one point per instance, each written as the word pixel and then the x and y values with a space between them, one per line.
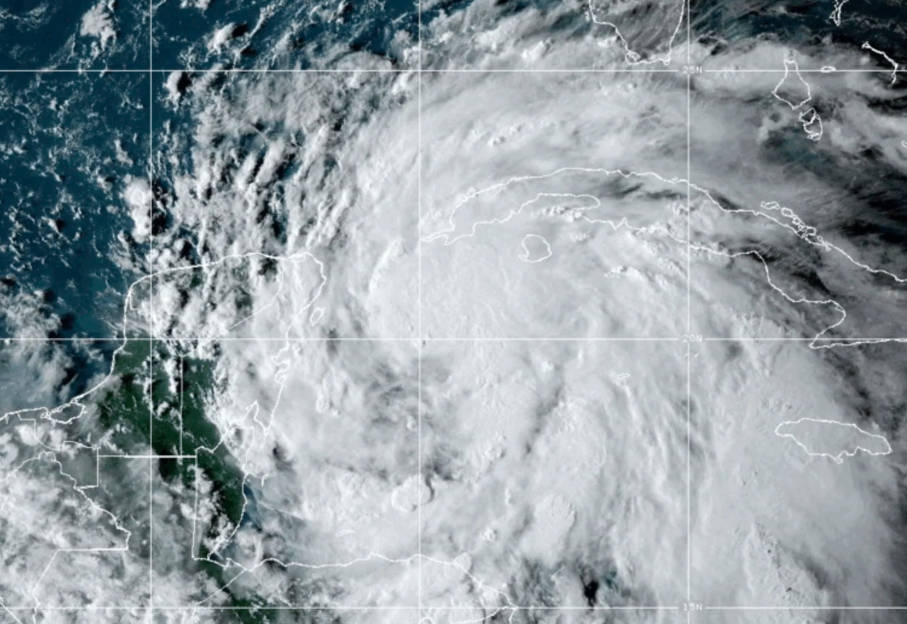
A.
pixel 797 226
pixel 838 458
pixel 895 66
pixel 226 563
pixel 525 256
pixel 632 57
pixel 836 13
pixel 788 64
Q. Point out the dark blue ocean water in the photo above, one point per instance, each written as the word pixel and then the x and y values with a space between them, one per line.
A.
pixel 279 34
pixel 66 248
pixel 66 254
pixel 804 24
pixel 38 34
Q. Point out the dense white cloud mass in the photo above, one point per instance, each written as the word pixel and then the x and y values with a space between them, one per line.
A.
pixel 98 22
pixel 548 346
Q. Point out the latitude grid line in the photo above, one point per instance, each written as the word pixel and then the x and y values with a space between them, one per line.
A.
pixel 208 607
pixel 845 341
pixel 421 339
pixel 490 70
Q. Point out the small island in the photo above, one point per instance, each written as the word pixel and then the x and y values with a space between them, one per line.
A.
pixel 828 438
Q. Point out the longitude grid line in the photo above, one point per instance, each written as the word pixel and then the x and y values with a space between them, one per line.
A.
pixel 151 462
pixel 181 391
pixel 688 606
pixel 689 346
pixel 419 293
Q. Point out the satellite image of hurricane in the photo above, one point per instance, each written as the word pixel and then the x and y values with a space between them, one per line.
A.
pixel 453 311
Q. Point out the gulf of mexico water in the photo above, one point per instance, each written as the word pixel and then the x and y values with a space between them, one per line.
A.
pixel 71 145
